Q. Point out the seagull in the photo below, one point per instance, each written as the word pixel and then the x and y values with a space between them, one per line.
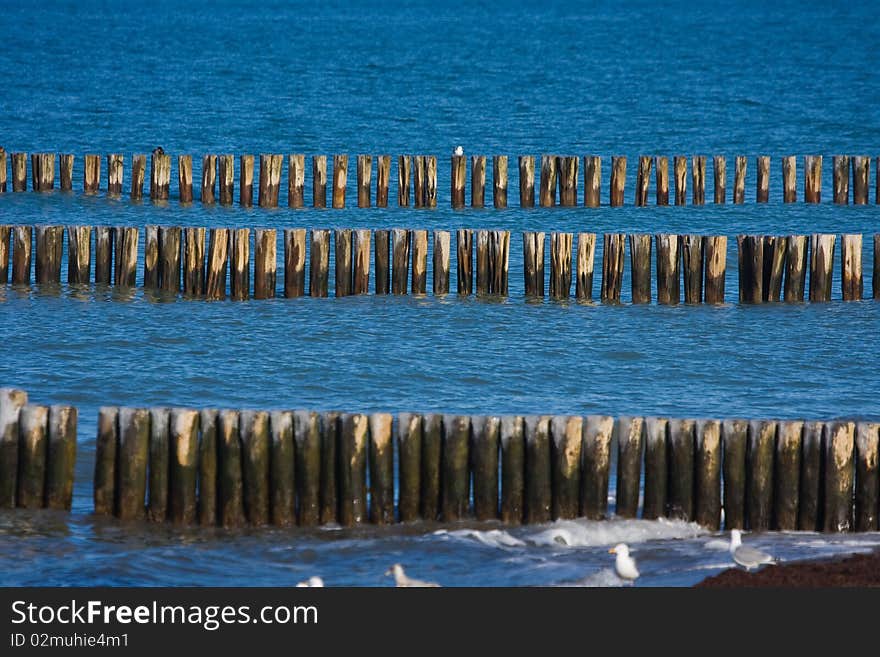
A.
pixel 745 556
pixel 402 581
pixel 624 565
pixel 311 583
pixel 459 150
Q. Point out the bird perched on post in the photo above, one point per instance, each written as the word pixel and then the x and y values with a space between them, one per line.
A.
pixel 402 581
pixel 458 151
pixel 624 565
pixel 746 556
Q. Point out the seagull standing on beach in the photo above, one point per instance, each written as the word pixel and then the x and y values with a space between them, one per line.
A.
pixel 624 565
pixel 745 556
pixel 402 581
pixel 311 583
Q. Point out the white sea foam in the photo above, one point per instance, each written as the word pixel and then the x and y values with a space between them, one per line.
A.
pixel 717 544
pixel 592 533
pixel 493 538
pixel 602 578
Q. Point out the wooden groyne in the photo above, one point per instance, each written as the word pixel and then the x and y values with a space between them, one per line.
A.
pixel 262 263
pixel 562 180
pixel 253 468
pixel 37 453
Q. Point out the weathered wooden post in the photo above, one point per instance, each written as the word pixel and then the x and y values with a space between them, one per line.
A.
pixel 533 264
pixel 643 180
pixel 319 181
pixel 812 178
pixel 183 439
pixel 382 259
pixel 65 162
pixel 265 262
pixel 455 489
pixel 342 243
pixel 464 249
pixel 430 181
pixel 566 441
pixel 630 439
pixel 33 447
pixel 762 181
pixel 478 181
pixel 640 267
pixel 707 476
pixel 125 260
pixel 49 240
pixel 796 247
pixel 296 180
pixel 592 181
pixel 499 181
pixel 340 180
pixel 680 166
pixel 656 476
pixel 409 456
pixel 105 461
pixel 160 174
pixel 499 260
pixel 560 265
pixel 92 174
pixel 115 166
pixel 308 443
pixel 105 237
pixel 527 181
pixel 596 450
pixel 719 170
pixel 680 465
pixel 734 439
pixel 5 232
pixel 513 482
pixel 618 179
pixel 698 179
pixel 811 483
pixel 567 168
pixel 821 266
pixel 151 257
pixel 786 491
pixel 381 457
pixel 3 170
pixel 207 479
pixel 457 178
pixel 169 258
pixel 668 269
pixel 692 262
pixel 432 451
pixel 851 267
pixel 861 171
pixel 79 255
pixel 294 262
pixel 240 264
pixel 255 455
pixel 839 442
pixel 230 495
pixel 324 480
pixel 138 173
pixel 419 283
pixel 22 254
pixel 539 474
pixel 185 178
pixel 715 258
pixel 400 247
pixel 194 262
pixel 840 178
pixel 789 179
pixel 661 165
pixel 207 194
pixel 750 252
pixel 739 180
pixel 775 249
pixel 218 256
pixel 441 262
pixel 364 178
pixel 404 168
pixel 11 403
pixel 282 472
pixel 61 457
pixel 482 261
pixel 43 172
pixel 485 435
pixel 612 266
pixel 585 259
pixel 419 181
pixel 547 196
pixel 867 445
pixel 226 175
pixel 319 262
pixel 19 172
pixel 383 180
pixel 246 181
pixel 759 474
pixel 131 463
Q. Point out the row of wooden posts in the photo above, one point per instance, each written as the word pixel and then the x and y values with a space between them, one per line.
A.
pixel 558 179
pixel 195 261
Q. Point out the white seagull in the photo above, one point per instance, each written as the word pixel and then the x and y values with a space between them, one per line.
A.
pixel 624 565
pixel 402 581
pixel 459 150
pixel 745 556
pixel 311 583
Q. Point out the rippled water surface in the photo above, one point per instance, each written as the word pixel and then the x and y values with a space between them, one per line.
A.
pixel 726 78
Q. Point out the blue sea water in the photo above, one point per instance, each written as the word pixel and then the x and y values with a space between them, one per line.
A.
pixel 734 78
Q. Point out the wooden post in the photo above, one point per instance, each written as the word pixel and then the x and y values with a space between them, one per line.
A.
pixel 499 258
pixel 183 439
pixel 861 170
pixel 618 179
pixel 138 171
pixel 319 262
pixel 169 258
pixel 592 181
pixel 382 260
pixel 49 240
pixel 207 468
pixel 661 165
pixel 612 266
pixel 656 477
pixel 308 439
pixel 698 179
pixel 79 255
pixel 246 181
pixel 239 264
pixel 419 181
pixel 538 474
pixel 360 275
pixel 43 172
pixel 404 166
pixel 877 182
pixel 668 269
pixel 485 436
pixel 381 454
pixel 364 178
pixel 160 174
pixel 419 283
pixel 151 257
pixel 5 232
pixel 218 256
pixel 352 461
pixel 194 262
pixel 739 180
pixel 185 178
pixel 811 484
pixel 296 180
pixel 464 249
pixel 568 180
pixel 229 465
pixel 821 266
pixel 840 166
pixel 11 403
pixel 527 181
pixel 400 245
pixel 533 264
pixel 105 461
pixel 265 262
pixel 340 179
pixel 596 449
pixel 759 474
pixel 105 237
pixel 795 267
pixel 812 178
pixel 789 179
pixel 441 262
pixel 750 252
pixel 383 180
pixel 680 489
pixel 3 170
pixel 294 262
pixel 478 181
pixel 19 172
pixel 839 441
pixel 115 166
pixel 875 279
pixel 125 260
pixel 560 265
pixel 457 177
pixel 409 456
pixel 256 447
pixel 715 258
pixel 342 243
pixel 226 174
pixel 282 469
pixel 734 439
pixel 630 438
pixel 209 179
pixel 719 170
pixel 692 261
pixel 270 180
pixel 66 172
pixel 788 471
pixel 707 475
pixel 22 245
pixel 33 447
pixel 92 174
pixel 775 249
pixel 455 489
pixel 643 180
pixel 430 181
pixel 131 463
pixel 327 500
pixel 867 445
pixel 513 485
pixel 680 166
pixel 499 181
pixel 585 258
pixel 762 184
pixel 566 440
pixel 432 451
pixel 851 267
